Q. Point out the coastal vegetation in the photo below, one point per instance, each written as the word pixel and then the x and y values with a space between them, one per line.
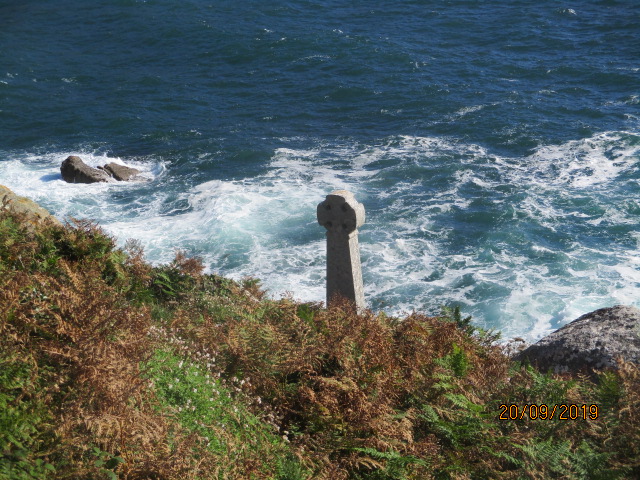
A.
pixel 111 368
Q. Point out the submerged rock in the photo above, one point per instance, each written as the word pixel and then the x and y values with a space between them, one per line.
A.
pixel 29 211
pixel 74 170
pixel 591 342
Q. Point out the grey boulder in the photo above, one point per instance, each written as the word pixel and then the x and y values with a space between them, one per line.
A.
pixel 74 170
pixel 121 172
pixel 591 342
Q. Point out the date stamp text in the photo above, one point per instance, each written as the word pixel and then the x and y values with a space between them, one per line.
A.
pixel 548 412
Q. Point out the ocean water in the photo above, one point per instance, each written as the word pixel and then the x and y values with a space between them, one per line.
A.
pixel 494 144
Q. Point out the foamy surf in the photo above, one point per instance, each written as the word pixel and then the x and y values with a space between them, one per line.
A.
pixel 37 176
pixel 523 244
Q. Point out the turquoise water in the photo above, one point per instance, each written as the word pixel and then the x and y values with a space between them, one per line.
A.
pixel 495 145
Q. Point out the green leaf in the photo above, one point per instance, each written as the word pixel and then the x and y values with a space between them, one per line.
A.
pixel 114 462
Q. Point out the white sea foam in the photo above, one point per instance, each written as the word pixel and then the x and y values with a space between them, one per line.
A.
pixel 583 163
pixel 37 176
pixel 465 111
pixel 533 263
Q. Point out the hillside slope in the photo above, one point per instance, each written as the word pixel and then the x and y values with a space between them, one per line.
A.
pixel 111 368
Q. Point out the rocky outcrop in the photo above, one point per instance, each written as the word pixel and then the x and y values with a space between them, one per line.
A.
pixel 591 342
pixel 121 172
pixel 74 170
pixel 30 212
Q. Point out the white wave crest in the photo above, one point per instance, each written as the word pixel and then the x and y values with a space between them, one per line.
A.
pixel 524 244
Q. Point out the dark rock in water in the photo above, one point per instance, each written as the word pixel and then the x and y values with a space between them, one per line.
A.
pixel 74 170
pixel 591 342
pixel 29 211
pixel 122 173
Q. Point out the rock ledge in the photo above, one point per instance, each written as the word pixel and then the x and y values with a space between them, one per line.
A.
pixel 591 342
pixel 32 213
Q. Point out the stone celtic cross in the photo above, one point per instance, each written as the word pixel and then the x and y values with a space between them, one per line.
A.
pixel 341 215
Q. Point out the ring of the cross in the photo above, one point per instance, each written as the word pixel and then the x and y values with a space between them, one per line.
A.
pixel 340 213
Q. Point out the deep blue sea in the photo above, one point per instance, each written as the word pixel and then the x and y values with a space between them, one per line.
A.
pixel 494 144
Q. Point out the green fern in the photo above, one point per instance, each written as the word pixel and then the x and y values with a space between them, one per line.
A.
pixel 609 390
pixel 463 403
pixel 591 464
pixel 289 468
pixel 22 422
pixel 396 465
pixel 444 430
pixel 516 462
pixel 546 455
